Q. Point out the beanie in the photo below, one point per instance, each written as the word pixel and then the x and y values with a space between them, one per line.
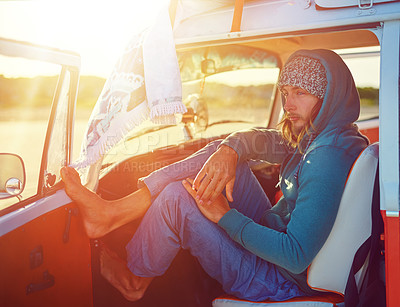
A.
pixel 306 73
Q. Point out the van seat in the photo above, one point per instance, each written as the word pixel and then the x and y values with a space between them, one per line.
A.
pixel 330 269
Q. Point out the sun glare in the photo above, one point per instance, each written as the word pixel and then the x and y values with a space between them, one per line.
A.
pixel 97 30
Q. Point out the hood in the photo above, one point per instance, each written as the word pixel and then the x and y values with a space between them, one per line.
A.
pixel 341 103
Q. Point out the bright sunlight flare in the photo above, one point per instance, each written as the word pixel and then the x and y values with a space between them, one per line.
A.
pixel 97 30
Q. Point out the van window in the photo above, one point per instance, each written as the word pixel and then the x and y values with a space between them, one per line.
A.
pixel 227 86
pixel 364 65
pixel 26 94
pixel 225 89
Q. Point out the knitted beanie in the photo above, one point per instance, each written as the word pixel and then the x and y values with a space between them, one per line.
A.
pixel 306 73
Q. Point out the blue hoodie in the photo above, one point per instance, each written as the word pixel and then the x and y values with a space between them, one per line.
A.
pixel 294 230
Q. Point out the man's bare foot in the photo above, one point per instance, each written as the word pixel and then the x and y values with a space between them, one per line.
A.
pixel 102 216
pixel 116 272
pixel 94 209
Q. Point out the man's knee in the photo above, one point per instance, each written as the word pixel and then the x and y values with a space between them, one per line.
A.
pixel 175 193
pixel 174 203
pixel 174 188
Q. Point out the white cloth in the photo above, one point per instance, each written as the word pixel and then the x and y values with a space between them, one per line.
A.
pixel 145 83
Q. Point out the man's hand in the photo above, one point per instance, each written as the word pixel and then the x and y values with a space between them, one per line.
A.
pixel 213 211
pixel 217 173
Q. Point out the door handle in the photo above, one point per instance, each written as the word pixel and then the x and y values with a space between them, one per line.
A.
pixel 48 281
pixel 70 213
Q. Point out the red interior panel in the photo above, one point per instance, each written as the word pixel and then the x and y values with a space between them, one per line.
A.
pixel 46 262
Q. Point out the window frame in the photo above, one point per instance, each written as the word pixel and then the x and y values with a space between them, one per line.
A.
pixel 69 62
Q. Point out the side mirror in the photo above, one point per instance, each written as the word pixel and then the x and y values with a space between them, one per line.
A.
pixel 208 67
pixel 12 175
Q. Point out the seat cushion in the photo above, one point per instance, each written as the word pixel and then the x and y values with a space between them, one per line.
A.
pixel 325 300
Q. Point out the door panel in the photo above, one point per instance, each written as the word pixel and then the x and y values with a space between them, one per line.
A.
pixel 44 252
pixel 46 262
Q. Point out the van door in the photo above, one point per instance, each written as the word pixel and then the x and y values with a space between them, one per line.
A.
pixel 45 254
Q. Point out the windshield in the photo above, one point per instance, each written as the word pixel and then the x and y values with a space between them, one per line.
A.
pixel 225 89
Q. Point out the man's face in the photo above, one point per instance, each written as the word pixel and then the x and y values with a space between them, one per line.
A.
pixel 298 105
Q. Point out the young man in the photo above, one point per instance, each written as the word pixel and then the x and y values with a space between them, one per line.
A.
pixel 255 251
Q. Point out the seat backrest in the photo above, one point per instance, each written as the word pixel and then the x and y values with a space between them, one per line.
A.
pixel 330 268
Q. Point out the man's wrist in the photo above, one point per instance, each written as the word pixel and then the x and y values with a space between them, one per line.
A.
pixel 229 150
pixel 221 215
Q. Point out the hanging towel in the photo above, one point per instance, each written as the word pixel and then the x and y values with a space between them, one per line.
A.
pixel 144 84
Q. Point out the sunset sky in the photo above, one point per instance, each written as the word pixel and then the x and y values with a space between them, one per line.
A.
pixel 97 30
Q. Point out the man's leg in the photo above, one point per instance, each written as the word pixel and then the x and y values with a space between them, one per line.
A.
pixel 174 222
pixel 186 168
pixel 101 216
